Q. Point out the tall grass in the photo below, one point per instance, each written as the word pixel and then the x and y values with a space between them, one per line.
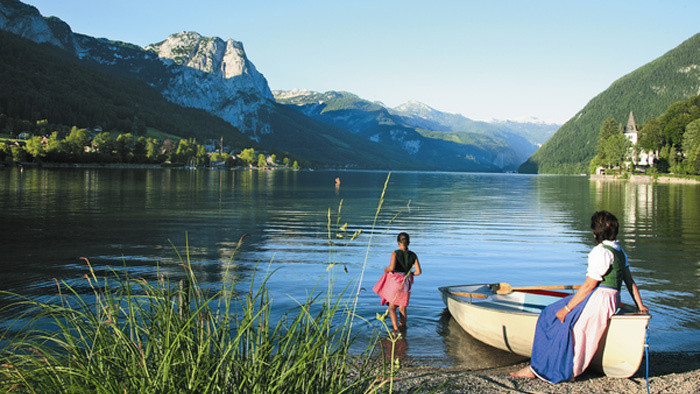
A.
pixel 126 334
pixel 129 335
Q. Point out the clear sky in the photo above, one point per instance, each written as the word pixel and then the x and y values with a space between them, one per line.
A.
pixel 484 59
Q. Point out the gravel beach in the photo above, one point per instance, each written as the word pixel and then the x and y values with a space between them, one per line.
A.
pixel 668 373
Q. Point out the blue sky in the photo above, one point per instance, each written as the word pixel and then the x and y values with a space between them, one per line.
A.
pixel 486 59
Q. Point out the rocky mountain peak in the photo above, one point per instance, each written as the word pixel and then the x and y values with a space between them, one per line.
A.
pixel 212 55
pixel 215 57
pixel 26 21
pixel 416 108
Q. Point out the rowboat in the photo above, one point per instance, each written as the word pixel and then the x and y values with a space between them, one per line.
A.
pixel 507 322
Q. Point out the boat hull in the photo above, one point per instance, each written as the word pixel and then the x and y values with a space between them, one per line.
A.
pixel 507 322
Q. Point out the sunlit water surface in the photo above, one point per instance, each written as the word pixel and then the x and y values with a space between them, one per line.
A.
pixel 465 228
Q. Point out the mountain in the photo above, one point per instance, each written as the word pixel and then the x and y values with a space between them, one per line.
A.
pixel 534 131
pixel 42 81
pixel 418 127
pixel 216 76
pixel 376 123
pixel 523 137
pixel 646 92
pixel 335 129
pixel 187 69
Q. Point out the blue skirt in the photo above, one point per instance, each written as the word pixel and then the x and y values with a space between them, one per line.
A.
pixel 552 356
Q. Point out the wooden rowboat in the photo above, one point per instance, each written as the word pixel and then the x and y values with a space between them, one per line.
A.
pixel 507 322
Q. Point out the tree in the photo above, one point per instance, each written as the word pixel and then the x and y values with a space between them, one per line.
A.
pixel 186 151
pixel 613 146
pixel 617 149
pixel 201 155
pixel 152 150
pixel 609 128
pixel 262 162
pixel 76 142
pixel 5 153
pixel 225 157
pixel 248 156
pixel 295 165
pixel 18 154
pixel 35 148
pixel 104 145
pixel 124 145
pixel 42 126
pixel 56 148
pixel 691 147
pixel 286 161
pixel 650 136
pixel 675 128
pixel 273 159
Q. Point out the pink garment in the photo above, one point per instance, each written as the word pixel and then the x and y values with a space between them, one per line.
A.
pixel 394 288
pixel 591 325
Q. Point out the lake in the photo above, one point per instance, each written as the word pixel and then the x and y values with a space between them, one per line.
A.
pixel 465 228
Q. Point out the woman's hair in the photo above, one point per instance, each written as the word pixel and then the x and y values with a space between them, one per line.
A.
pixel 604 225
pixel 403 239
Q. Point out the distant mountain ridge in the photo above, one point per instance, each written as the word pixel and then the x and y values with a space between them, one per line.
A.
pixel 523 137
pixel 344 130
pixel 535 132
pixel 376 123
pixel 647 92
pixel 417 127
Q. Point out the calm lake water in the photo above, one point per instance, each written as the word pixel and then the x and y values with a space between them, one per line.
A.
pixel 465 228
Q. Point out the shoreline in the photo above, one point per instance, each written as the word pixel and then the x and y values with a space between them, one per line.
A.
pixel 668 372
pixel 644 179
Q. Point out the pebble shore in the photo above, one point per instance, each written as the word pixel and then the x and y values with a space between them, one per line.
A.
pixel 668 373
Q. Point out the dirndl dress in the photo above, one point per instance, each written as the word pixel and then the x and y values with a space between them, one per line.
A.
pixel 394 288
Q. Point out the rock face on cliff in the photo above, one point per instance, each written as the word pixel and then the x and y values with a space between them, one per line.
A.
pixel 189 69
pixel 215 75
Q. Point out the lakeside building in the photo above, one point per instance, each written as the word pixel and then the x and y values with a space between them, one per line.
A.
pixel 638 157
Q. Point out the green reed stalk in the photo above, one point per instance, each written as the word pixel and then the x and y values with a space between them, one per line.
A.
pixel 129 335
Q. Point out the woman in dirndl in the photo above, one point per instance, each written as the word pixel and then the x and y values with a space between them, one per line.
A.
pixel 394 287
pixel 568 331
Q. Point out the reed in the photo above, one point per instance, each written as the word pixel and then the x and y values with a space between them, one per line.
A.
pixel 129 335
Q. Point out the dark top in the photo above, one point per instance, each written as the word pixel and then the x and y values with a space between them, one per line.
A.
pixel 613 278
pixel 404 260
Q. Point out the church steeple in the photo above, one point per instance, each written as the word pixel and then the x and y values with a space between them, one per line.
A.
pixel 631 129
pixel 631 125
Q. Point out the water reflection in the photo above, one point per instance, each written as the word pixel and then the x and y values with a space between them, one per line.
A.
pixel 466 228
pixel 468 352
pixel 395 348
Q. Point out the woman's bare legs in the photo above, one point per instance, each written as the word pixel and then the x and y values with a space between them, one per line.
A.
pixel 392 315
pixel 403 318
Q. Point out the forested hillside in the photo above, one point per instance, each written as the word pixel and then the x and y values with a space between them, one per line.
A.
pixel 647 92
pixel 43 82
pixel 40 81
pixel 675 134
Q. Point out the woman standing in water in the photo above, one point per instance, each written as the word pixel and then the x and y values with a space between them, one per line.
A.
pixel 568 331
pixel 394 287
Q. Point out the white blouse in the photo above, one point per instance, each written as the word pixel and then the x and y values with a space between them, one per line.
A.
pixel 600 259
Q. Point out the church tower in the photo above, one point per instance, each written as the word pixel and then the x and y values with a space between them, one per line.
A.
pixel 631 130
